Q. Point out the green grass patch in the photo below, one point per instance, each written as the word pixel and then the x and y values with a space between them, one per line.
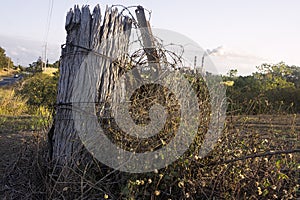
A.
pixel 13 124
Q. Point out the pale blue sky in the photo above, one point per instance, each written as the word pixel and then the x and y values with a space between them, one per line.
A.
pixel 250 32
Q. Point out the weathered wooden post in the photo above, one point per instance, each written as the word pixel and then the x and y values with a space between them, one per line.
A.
pixel 148 40
pixel 85 34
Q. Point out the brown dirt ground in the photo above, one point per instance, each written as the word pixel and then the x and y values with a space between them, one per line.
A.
pixel 19 150
pixel 18 153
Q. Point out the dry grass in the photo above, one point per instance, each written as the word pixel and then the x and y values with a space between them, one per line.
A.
pixel 8 72
pixel 49 71
pixel 11 104
pixel 23 160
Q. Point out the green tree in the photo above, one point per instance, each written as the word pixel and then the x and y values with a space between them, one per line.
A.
pixel 54 65
pixel 273 88
pixel 272 76
pixel 232 73
pixel 36 66
pixel 5 62
pixel 294 75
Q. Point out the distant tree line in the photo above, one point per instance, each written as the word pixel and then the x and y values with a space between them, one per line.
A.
pixel 34 67
pixel 37 66
pixel 272 89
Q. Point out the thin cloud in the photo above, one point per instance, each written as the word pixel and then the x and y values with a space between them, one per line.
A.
pixel 226 59
pixel 230 54
pixel 22 49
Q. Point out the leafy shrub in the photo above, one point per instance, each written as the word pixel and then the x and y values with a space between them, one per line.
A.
pixel 40 90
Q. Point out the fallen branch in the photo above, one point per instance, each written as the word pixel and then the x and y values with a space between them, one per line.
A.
pixel 270 153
